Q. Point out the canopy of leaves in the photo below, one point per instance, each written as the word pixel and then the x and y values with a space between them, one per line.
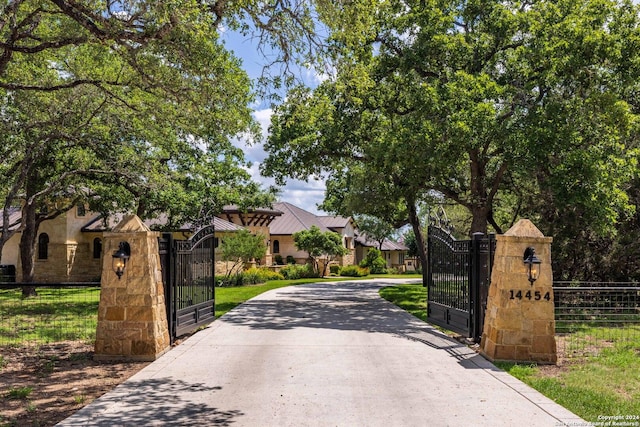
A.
pixel 243 246
pixel 375 229
pixel 505 108
pixel 131 106
pixel 319 243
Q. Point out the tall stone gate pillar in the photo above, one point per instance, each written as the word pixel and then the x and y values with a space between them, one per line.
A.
pixel 519 322
pixel 132 319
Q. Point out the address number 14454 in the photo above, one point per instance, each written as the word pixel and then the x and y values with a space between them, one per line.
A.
pixel 530 295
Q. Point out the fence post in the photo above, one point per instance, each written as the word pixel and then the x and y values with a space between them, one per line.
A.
pixel 520 321
pixel 132 321
pixel 474 282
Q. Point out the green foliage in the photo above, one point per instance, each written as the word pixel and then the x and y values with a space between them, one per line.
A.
pixel 132 115
pixel 54 315
pixel 19 392
pixel 411 243
pixel 334 269
pixel 319 244
pixel 507 111
pixel 354 271
pixel 291 259
pixel 298 271
pixel 251 276
pixel 278 259
pixel 600 385
pixel 411 298
pixel 242 247
pixel 254 276
pixel 374 262
pixel 375 228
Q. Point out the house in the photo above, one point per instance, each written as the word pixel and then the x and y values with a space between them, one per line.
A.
pixel 69 247
pixel 394 253
pixel 258 221
pixel 294 219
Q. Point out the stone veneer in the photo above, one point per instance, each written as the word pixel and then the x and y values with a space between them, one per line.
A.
pixel 519 323
pixel 132 320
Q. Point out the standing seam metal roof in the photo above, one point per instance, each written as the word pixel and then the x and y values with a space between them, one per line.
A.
pixel 294 219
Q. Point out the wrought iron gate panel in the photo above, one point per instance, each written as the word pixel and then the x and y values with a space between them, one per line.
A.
pixel 458 281
pixel 448 281
pixel 190 282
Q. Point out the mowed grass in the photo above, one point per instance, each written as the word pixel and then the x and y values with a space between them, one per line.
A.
pixel 592 387
pixel 56 314
pixel 411 298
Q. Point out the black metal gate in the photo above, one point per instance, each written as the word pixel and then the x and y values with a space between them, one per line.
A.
pixel 188 273
pixel 458 280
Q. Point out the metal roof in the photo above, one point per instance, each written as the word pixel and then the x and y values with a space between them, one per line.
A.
pixel 334 221
pixel 294 219
pixel 15 215
pixel 387 245
pixel 98 224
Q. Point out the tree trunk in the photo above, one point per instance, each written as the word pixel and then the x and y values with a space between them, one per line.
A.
pixel 478 204
pixel 420 243
pixel 27 247
pixel 479 221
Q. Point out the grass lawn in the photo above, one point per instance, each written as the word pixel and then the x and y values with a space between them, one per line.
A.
pixel 411 298
pixel 56 314
pixel 590 387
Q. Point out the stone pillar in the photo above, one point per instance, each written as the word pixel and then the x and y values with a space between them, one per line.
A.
pixel 132 318
pixel 519 322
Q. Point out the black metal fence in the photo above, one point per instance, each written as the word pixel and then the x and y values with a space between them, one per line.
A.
pixel 593 316
pixel 58 312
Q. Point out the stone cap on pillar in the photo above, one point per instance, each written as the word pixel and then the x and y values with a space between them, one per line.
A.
pixel 131 224
pixel 524 228
pixel 524 231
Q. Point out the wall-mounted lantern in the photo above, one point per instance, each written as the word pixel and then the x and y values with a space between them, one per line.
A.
pixel 532 262
pixel 120 258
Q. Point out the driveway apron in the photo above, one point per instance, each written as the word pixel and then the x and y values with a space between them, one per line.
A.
pixel 327 354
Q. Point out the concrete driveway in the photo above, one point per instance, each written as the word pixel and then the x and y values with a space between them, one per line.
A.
pixel 330 354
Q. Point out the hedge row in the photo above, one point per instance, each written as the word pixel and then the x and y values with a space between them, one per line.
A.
pixel 251 276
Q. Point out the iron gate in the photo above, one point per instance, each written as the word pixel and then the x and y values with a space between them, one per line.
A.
pixel 458 280
pixel 188 273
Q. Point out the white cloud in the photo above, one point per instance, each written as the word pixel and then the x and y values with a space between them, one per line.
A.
pixel 306 195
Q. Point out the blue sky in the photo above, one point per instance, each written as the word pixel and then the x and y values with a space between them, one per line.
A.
pixel 306 195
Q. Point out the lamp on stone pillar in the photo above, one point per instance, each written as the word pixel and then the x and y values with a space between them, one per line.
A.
pixel 120 258
pixel 532 262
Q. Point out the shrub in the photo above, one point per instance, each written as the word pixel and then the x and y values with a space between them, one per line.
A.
pixel 374 262
pixel 334 269
pixel 354 271
pixel 297 271
pixel 291 259
pixel 251 276
pixel 278 259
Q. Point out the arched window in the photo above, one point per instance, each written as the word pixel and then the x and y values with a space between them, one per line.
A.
pixel 43 246
pixel 97 248
pixel 276 247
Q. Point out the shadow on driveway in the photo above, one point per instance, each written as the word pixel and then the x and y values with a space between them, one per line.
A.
pixel 345 306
